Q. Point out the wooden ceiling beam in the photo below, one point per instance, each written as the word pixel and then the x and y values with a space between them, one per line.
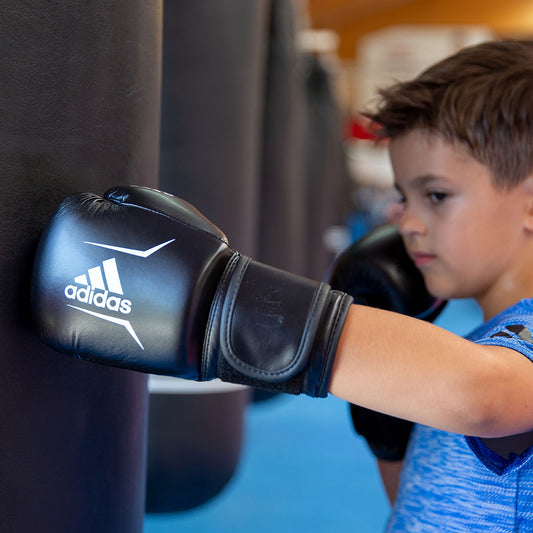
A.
pixel 336 14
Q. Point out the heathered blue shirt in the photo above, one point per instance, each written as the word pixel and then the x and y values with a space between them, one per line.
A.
pixel 452 483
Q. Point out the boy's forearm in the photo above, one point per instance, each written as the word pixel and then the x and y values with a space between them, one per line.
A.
pixel 420 372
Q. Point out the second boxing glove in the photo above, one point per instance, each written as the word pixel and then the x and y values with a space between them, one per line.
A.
pixel 377 271
pixel 140 279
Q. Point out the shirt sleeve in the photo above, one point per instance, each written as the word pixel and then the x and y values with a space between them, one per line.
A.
pixel 514 332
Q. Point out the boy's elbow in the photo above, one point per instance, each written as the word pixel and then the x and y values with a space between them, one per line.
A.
pixel 487 404
pixel 481 417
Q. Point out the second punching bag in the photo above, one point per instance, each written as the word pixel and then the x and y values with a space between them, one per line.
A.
pixel 210 137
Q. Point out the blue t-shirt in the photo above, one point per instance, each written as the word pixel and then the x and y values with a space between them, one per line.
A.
pixel 452 483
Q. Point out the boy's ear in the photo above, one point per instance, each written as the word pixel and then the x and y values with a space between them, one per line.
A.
pixel 528 188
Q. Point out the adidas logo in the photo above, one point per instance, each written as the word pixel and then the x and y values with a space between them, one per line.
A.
pixel 101 288
pixel 93 291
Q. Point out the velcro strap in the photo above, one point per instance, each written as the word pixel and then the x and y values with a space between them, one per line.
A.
pixel 269 320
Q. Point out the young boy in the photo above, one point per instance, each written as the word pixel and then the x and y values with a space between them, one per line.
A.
pixel 185 304
pixel 461 147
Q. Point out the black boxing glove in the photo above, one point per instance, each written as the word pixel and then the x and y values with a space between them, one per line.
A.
pixel 377 271
pixel 139 279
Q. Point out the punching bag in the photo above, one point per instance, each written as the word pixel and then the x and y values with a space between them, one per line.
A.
pixel 79 111
pixel 282 209
pixel 210 144
pixel 195 440
pixel 328 185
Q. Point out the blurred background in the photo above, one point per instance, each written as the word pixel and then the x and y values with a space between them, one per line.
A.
pixel 265 136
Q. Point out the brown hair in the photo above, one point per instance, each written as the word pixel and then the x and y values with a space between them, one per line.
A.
pixel 481 97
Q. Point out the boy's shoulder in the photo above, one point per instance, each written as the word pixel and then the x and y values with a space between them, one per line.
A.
pixel 512 328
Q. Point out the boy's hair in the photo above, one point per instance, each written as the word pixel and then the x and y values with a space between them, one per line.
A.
pixel 481 97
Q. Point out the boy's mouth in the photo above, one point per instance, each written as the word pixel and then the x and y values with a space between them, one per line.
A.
pixel 422 259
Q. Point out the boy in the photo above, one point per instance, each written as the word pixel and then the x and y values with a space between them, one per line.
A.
pixel 462 153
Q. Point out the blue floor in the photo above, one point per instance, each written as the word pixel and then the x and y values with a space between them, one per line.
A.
pixel 302 469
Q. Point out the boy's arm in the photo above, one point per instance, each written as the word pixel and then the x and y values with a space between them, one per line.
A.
pixel 188 305
pixel 420 372
pixel 390 477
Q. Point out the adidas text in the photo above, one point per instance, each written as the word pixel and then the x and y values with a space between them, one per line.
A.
pixel 88 295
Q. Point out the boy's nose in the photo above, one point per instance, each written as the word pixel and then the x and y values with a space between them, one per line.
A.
pixel 410 224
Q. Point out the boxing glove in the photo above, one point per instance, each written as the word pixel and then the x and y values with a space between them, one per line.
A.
pixel 377 271
pixel 139 279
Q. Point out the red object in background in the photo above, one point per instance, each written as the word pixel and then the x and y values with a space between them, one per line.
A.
pixel 356 130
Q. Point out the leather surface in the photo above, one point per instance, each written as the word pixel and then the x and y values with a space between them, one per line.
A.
pixel 272 329
pixel 160 202
pixel 377 269
pixel 79 110
pixel 189 462
pixel 168 270
pixel 269 321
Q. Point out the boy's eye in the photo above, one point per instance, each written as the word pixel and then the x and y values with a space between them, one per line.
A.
pixel 399 198
pixel 436 197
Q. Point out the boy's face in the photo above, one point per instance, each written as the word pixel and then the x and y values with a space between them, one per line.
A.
pixel 462 233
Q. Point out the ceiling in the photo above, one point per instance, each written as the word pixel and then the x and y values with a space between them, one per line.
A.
pixel 340 13
pixel 352 19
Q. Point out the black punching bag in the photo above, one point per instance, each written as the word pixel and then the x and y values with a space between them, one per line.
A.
pixel 79 111
pixel 214 60
pixel 282 208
